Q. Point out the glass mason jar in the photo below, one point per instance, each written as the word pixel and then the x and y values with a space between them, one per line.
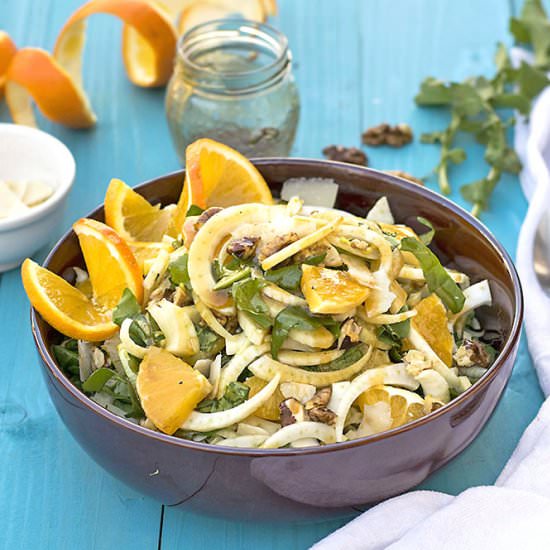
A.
pixel 233 82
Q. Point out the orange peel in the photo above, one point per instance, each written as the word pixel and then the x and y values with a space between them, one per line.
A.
pixel 7 51
pixel 54 82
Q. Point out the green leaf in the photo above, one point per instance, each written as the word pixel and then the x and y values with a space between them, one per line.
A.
pixel 179 272
pixel 456 155
pixel 210 343
pixel 194 210
pixel 97 380
pixel 466 100
pixel 438 280
pixel 433 92
pixel 316 259
pixel 288 277
pixel 533 28
pixel 350 356
pixel 512 101
pixel 235 394
pixel 531 81
pixel 127 307
pixel 231 278
pixel 427 237
pixel 66 357
pixel 502 59
pixel 247 296
pixel 432 137
pixel 296 317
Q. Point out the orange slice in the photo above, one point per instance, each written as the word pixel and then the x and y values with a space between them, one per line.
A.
pixel 7 51
pixel 54 82
pixel 331 291
pixel 63 306
pixel 432 323
pixel 402 406
pixel 217 175
pixel 270 409
pixel 132 216
pixel 146 252
pixel 110 263
pixel 169 389
pixel 201 11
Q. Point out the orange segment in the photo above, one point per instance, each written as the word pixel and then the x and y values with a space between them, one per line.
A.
pixel 110 262
pixel 169 389
pixel 270 409
pixel 63 306
pixel 217 175
pixel 432 323
pixel 131 216
pixel 201 11
pixel 35 75
pixel 149 42
pixel 7 51
pixel 146 252
pixel 331 291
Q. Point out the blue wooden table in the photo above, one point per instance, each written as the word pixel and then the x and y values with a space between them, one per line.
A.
pixel 358 63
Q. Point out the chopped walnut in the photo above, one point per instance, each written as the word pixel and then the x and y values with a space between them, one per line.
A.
pixel 351 155
pixel 243 248
pixel 317 409
pixel 230 323
pixel 266 249
pixel 405 176
pixel 472 354
pixel 384 134
pixel 292 411
pixel 179 296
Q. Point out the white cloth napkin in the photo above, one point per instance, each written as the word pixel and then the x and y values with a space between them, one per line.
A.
pixel 515 512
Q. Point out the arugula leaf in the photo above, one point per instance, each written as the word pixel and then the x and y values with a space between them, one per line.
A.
pixel 127 307
pixel 296 317
pixel 235 394
pixel 179 272
pixel 350 356
pixel 433 92
pixel 438 280
pixel 194 210
pixel 427 237
pixel 290 276
pixel 210 343
pixel 247 296
pixel 66 355
pixel 97 380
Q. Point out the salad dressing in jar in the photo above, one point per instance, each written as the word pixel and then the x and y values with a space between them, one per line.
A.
pixel 233 83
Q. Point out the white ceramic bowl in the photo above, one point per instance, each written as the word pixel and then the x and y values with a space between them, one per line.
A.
pixel 30 154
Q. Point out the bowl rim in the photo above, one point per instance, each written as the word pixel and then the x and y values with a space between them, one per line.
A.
pixel 65 182
pixel 398 183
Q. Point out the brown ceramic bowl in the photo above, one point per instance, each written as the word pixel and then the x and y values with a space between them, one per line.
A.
pixel 315 482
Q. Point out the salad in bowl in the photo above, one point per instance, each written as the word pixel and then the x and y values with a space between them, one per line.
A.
pixel 237 320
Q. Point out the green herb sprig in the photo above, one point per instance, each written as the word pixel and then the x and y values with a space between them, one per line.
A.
pixel 478 106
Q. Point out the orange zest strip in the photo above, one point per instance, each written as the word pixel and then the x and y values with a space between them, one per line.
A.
pixel 149 40
pixel 7 51
pixel 35 75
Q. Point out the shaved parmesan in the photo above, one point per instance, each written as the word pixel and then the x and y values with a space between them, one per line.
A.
pixel 298 391
pixel 266 367
pixel 10 204
pixel 381 212
pixel 207 422
pixel 313 191
pixel 300 430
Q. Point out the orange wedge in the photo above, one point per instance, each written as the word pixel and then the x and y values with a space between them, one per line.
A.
pixel 201 11
pixel 7 51
pixel 331 291
pixel 132 216
pixel 217 175
pixel 432 323
pixel 111 265
pixel 169 389
pixel 147 251
pixel 270 409
pixel 63 306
